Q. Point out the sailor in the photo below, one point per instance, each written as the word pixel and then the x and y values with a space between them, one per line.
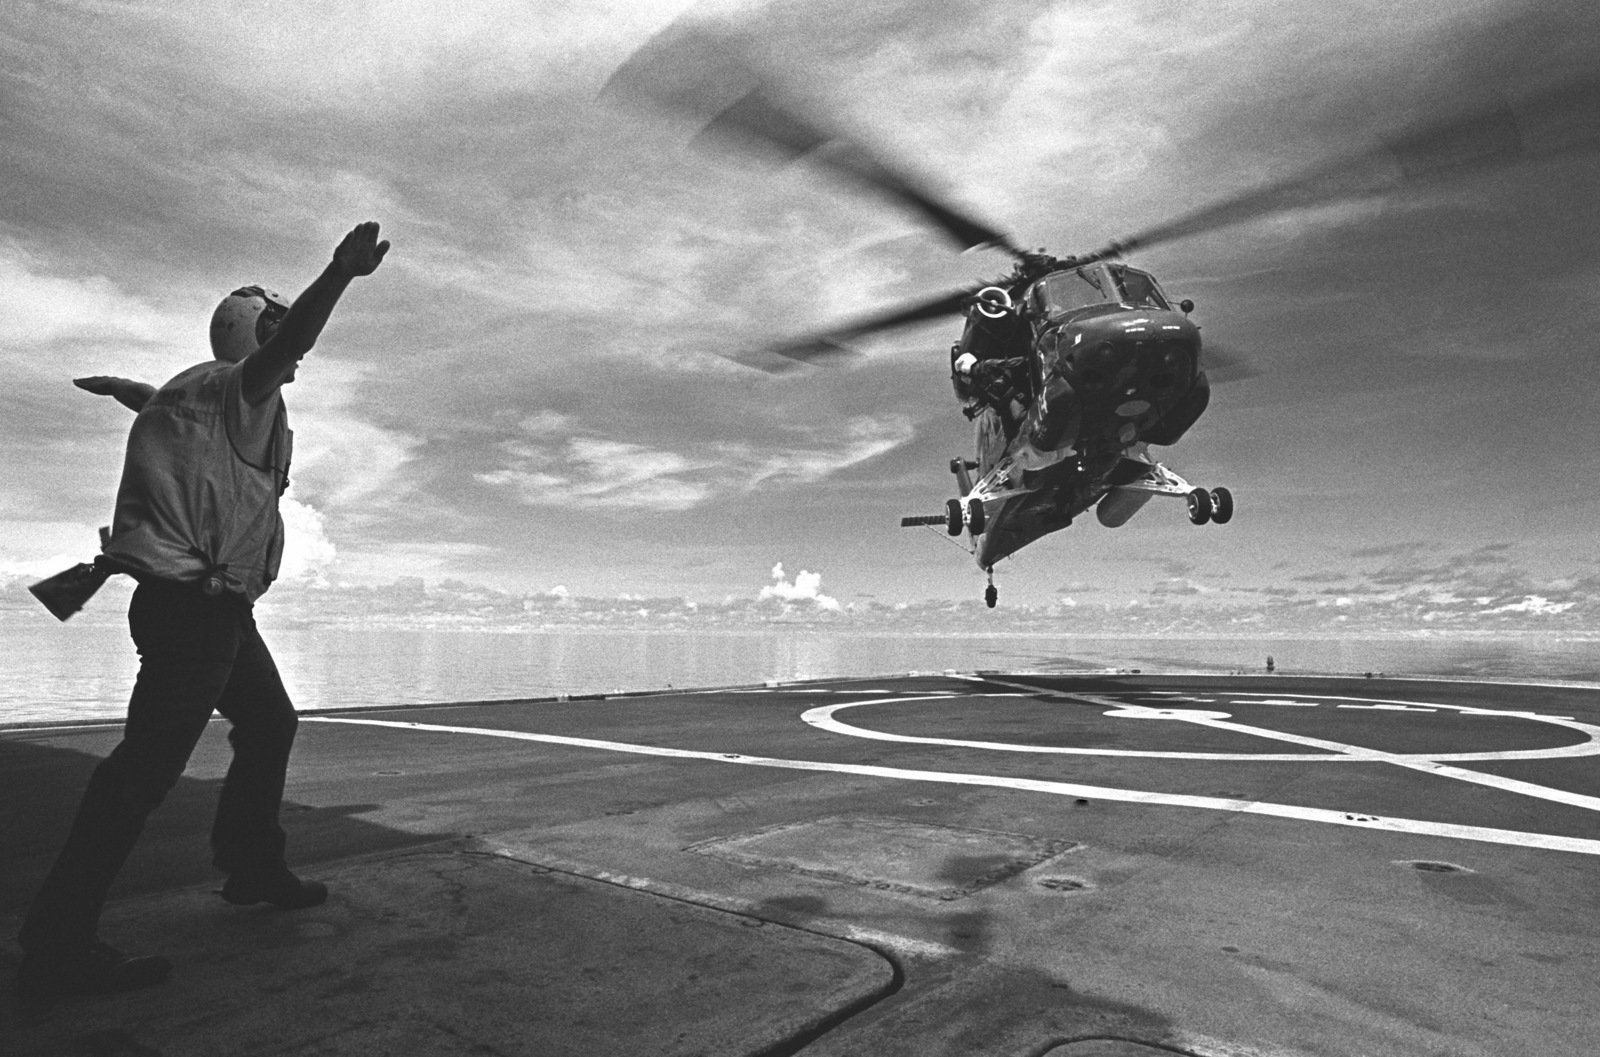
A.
pixel 197 526
pixel 1001 383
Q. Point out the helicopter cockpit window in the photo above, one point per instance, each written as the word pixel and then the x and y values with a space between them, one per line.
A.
pixel 1136 287
pixel 1062 292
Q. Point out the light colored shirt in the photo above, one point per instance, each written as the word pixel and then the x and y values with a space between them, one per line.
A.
pixel 200 484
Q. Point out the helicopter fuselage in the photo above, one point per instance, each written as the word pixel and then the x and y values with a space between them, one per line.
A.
pixel 1071 375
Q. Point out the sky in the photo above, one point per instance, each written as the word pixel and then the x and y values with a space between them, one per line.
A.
pixel 535 406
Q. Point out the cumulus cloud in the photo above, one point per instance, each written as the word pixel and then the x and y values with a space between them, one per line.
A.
pixel 342 458
pixel 307 551
pixel 806 587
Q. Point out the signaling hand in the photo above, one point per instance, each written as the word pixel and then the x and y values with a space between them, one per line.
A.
pixel 130 394
pixel 100 384
pixel 360 253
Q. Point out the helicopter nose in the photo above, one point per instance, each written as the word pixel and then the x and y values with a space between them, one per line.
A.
pixel 1145 355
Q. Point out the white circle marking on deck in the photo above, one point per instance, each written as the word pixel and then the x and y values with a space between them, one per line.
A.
pixel 1420 827
pixel 1333 752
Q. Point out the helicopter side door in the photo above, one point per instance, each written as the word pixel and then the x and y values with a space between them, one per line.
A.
pixel 990 439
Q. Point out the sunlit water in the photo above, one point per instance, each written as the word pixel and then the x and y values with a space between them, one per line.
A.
pixel 51 672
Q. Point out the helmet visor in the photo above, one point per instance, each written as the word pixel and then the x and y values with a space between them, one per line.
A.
pixel 269 320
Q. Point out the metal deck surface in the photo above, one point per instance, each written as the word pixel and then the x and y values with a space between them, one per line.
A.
pixel 1079 866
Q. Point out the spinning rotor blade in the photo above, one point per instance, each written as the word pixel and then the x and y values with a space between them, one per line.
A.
pixel 1224 366
pixel 759 116
pixel 1557 121
pixel 703 74
pixel 833 343
pixel 782 359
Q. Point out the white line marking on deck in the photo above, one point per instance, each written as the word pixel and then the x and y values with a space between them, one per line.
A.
pixel 1429 763
pixel 822 718
pixel 1337 751
pixel 1390 708
pixel 1032 785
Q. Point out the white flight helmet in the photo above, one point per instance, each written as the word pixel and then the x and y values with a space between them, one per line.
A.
pixel 244 321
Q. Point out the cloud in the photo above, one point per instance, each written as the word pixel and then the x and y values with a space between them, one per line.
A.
pixel 540 357
pixel 1177 585
pixel 1323 576
pixel 343 459
pixel 1483 570
pixel 546 423
pixel 359 562
pixel 307 551
pixel 393 55
pixel 1532 604
pixel 862 439
pixel 36 308
pixel 593 472
pixel 806 587
pixel 36 549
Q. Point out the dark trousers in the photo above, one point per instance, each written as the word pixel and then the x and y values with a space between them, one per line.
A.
pixel 196 655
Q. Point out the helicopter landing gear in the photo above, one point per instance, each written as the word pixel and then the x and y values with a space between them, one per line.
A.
pixel 1215 506
pixel 990 594
pixel 957 517
pixel 1221 506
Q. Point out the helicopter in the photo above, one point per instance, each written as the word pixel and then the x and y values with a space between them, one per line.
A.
pixel 1071 368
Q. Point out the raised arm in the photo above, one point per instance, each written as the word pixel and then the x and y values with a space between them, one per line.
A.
pixel 129 393
pixel 274 362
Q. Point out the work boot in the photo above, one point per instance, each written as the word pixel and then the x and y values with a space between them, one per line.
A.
pixel 98 969
pixel 279 887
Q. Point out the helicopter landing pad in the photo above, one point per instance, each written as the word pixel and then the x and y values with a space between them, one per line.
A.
pixel 1099 865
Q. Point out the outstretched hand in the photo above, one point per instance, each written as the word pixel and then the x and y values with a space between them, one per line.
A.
pixel 129 393
pixel 100 384
pixel 360 252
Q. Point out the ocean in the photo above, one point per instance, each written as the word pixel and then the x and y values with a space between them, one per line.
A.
pixel 53 672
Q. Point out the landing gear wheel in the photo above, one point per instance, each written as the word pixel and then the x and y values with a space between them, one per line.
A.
pixel 952 517
pixel 1221 506
pixel 975 516
pixel 1199 506
pixel 990 596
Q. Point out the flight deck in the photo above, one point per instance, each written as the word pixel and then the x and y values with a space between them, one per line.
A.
pixel 1089 865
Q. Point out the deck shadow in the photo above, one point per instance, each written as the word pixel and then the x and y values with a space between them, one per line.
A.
pixel 41 782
